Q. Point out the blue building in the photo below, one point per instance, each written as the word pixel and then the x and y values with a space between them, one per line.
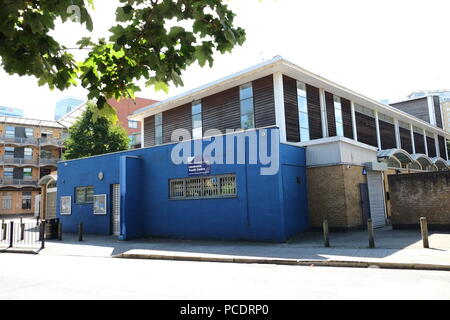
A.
pixel 143 193
pixel 64 106
pixel 333 148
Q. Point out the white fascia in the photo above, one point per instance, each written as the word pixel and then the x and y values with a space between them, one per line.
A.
pixel 411 128
pixel 377 126
pixel 355 129
pixel 280 117
pixel 431 110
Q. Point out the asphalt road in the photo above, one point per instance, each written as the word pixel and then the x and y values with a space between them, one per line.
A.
pixel 61 277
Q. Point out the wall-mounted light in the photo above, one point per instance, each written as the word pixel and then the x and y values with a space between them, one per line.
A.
pixel 101 175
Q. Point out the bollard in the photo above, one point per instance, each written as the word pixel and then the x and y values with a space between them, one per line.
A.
pixel 4 230
pixel 424 230
pixel 370 231
pixel 22 231
pixel 11 234
pixel 42 234
pixel 37 220
pixel 326 237
pixel 59 231
pixel 80 231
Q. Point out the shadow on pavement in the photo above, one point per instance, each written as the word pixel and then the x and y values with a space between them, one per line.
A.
pixel 307 246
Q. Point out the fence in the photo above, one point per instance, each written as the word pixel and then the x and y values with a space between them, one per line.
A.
pixel 14 234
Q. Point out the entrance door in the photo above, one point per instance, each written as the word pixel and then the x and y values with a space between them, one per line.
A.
pixel 376 198
pixel 116 209
pixel 365 205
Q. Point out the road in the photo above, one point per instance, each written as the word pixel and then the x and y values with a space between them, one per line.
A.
pixel 62 277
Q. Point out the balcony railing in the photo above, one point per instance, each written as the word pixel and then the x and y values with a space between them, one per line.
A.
pixel 19 141
pixel 22 162
pixel 31 141
pixel 51 141
pixel 18 182
pixel 46 162
pixel 19 161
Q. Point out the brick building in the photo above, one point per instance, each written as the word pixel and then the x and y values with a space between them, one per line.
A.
pixel 124 108
pixel 29 150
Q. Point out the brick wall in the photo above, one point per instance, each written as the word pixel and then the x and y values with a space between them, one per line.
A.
pixel 333 194
pixel 420 195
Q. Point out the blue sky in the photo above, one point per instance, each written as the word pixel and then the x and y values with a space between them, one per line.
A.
pixel 383 49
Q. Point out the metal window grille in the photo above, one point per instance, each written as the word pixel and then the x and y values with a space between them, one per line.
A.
pixel 204 187
pixel 177 189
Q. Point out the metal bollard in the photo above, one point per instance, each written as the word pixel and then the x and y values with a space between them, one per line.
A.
pixel 424 230
pixel 4 230
pixel 80 231
pixel 11 234
pixel 370 232
pixel 42 234
pixel 326 236
pixel 59 231
pixel 22 231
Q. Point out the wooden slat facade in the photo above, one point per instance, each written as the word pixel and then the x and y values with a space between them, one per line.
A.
pixel 387 135
pixel 222 111
pixel 329 101
pixel 431 145
pixel 441 141
pixel 366 128
pixel 264 102
pixel 405 140
pixel 347 118
pixel 149 131
pixel 315 119
pixel 437 111
pixel 178 118
pixel 417 108
pixel 291 109
pixel 419 143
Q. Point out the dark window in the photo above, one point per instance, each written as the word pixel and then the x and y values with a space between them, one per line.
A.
pixel 26 200
pixel 84 194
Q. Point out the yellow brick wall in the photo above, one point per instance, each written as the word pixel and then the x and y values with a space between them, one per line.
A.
pixel 333 194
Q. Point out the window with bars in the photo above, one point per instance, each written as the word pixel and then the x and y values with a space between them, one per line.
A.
pixel 223 186
pixel 84 195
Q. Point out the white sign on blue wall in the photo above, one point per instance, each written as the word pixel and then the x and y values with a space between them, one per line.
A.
pixel 198 166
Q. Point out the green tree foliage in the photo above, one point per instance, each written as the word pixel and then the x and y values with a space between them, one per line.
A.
pixel 90 137
pixel 153 40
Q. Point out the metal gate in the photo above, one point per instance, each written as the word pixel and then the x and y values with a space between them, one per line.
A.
pixel 116 209
pixel 376 198
pixel 18 234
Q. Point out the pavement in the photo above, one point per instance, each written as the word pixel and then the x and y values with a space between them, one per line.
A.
pixel 395 249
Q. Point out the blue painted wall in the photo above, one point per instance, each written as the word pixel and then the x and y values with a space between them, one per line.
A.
pixel 267 208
